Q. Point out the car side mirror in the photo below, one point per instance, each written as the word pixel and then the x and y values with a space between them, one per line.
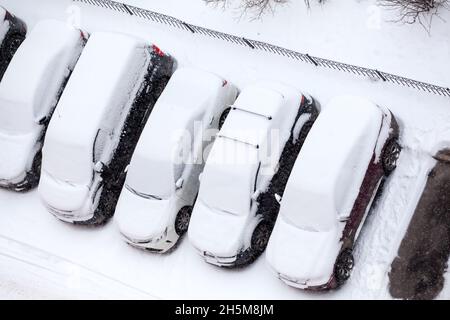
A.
pixel 179 183
pixel 42 121
pixel 278 198
pixel 256 195
pixel 99 167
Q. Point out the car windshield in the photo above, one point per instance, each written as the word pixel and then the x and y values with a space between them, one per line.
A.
pixel 308 210
pixel 15 119
pixel 70 163
pixel 228 180
pixel 151 178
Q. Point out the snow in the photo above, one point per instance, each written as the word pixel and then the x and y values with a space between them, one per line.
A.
pixel 16 159
pixel 215 231
pixel 29 88
pixel 140 219
pixel 259 110
pixel 424 119
pixel 185 100
pixel 312 260
pixel 332 164
pixel 95 96
pixel 49 50
pixel 229 177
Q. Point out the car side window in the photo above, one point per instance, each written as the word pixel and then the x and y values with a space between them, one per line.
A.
pixel 99 144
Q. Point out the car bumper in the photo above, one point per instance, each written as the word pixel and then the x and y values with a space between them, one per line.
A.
pixel 14 184
pixel 161 244
pixel 217 260
pixel 313 285
pixel 67 216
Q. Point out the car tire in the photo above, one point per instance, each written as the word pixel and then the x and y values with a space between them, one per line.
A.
pixel 390 155
pixel 344 266
pixel 223 117
pixel 182 220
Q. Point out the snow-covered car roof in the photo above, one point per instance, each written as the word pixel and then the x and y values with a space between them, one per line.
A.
pixel 229 177
pixel 102 82
pixel 230 173
pixel 185 99
pixel 256 111
pixel 29 75
pixel 332 163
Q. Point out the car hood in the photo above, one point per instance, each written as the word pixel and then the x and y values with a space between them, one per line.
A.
pixel 61 195
pixel 215 232
pixel 15 153
pixel 141 219
pixel 304 256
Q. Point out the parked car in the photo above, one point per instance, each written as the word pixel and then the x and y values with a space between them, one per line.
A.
pixel 349 151
pixel 162 183
pixel 249 163
pixel 29 92
pixel 12 33
pixel 97 124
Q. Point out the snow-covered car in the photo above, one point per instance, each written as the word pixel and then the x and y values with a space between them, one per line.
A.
pixel 162 183
pixel 247 168
pixel 348 153
pixel 12 33
pixel 29 92
pixel 97 123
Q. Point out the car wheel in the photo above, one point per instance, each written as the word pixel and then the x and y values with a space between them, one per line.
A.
pixel 223 117
pixel 344 266
pixel 182 220
pixel 11 45
pixel 260 237
pixel 391 153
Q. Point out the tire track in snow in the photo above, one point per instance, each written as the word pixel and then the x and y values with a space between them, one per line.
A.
pixel 67 275
pixel 387 224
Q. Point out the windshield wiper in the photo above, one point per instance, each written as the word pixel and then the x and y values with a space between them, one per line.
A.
pixel 141 194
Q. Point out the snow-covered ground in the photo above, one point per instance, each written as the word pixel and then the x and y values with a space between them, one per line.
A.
pixel 48 256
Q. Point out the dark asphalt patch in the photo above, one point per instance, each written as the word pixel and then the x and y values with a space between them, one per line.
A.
pixel 418 270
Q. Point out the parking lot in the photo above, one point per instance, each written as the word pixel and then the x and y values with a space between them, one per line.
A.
pixel 101 254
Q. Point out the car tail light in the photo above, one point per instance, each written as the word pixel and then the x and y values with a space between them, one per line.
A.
pixel 157 50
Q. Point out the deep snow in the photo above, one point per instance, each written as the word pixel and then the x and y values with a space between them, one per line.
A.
pixel 424 120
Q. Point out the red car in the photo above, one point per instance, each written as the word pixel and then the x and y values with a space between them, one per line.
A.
pixel 349 151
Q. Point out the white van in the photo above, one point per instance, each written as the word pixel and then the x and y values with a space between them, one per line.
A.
pixel 96 125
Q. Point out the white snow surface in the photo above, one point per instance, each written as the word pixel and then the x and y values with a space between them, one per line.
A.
pixel 424 120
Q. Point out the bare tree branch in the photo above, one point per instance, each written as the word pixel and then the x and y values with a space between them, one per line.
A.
pixel 412 11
